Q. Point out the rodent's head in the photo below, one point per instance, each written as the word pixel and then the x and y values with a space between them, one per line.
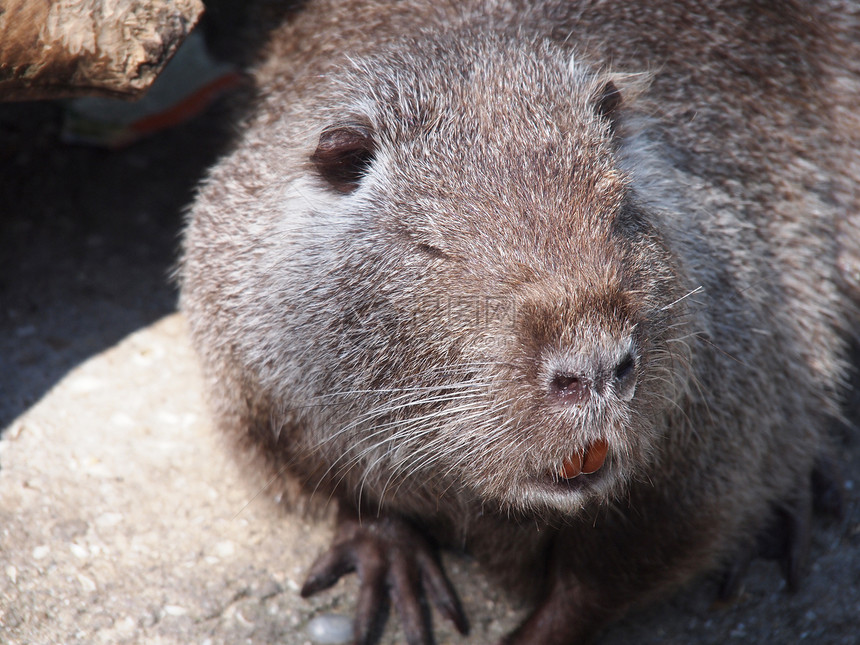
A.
pixel 463 293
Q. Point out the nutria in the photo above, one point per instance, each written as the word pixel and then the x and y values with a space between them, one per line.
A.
pixel 553 282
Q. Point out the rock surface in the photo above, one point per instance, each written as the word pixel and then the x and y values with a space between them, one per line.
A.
pixel 125 520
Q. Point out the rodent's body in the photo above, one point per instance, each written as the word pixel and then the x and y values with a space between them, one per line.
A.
pixel 463 252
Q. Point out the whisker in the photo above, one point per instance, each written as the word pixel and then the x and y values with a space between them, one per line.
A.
pixel 695 291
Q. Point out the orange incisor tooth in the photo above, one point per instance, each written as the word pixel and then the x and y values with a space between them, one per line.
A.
pixel 571 467
pixel 595 456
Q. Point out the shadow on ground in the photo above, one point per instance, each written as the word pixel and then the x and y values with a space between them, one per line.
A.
pixel 88 237
pixel 87 240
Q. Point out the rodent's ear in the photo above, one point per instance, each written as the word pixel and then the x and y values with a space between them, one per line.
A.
pixel 343 155
pixel 608 101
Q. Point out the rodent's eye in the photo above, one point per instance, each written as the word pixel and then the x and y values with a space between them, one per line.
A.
pixel 343 155
pixel 432 251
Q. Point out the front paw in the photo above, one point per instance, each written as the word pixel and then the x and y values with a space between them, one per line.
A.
pixel 394 563
pixel 786 538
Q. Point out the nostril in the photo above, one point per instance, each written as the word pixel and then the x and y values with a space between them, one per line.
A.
pixel 625 367
pixel 570 388
pixel 625 377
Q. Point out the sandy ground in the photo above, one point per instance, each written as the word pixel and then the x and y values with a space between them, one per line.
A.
pixel 124 519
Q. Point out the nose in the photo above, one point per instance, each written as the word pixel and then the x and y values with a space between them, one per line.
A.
pixel 602 371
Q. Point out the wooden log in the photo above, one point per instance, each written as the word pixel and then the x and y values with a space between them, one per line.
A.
pixel 62 48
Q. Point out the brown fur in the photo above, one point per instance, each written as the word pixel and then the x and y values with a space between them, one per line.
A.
pixel 391 340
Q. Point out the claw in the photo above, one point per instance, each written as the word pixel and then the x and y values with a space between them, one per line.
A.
pixel 392 559
pixel 794 560
pixel 828 489
pixel 371 611
pixel 441 593
pixel 734 573
pixel 413 617
pixel 330 567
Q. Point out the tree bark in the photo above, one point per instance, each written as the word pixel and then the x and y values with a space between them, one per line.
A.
pixel 63 48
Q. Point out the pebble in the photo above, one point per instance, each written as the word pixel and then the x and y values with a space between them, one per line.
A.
pixel 87 584
pixel 330 629
pixel 85 384
pixel 225 549
pixel 79 551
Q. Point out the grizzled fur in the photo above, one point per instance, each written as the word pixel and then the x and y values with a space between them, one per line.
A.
pixel 438 208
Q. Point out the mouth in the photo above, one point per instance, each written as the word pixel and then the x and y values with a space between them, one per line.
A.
pixel 579 470
pixel 586 463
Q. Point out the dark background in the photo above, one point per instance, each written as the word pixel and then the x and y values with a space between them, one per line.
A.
pixel 88 236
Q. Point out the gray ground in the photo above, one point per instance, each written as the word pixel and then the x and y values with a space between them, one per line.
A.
pixel 124 519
